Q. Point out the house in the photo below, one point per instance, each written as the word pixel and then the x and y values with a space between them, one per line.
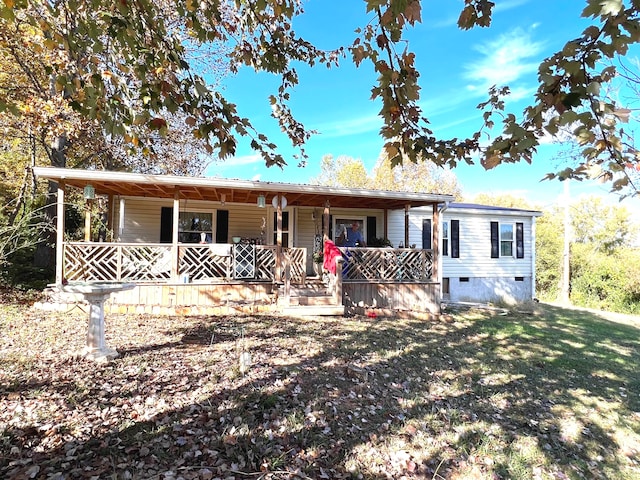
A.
pixel 196 244
pixel 487 253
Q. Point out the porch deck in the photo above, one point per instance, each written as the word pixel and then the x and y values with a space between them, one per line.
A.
pixel 213 277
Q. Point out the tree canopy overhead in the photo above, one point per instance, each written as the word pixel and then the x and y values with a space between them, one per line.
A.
pixel 126 65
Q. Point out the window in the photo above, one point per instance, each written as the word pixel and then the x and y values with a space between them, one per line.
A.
pixel 506 240
pixel 348 232
pixel 445 286
pixel 445 239
pixel 285 228
pixel 194 227
pixel 503 237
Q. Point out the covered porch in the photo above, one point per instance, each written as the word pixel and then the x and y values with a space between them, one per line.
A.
pixel 238 260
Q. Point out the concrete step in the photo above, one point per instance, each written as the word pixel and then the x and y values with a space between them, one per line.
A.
pixel 314 310
pixel 311 300
pixel 309 289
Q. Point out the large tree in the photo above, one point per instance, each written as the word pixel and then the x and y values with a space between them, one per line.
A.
pixel 125 63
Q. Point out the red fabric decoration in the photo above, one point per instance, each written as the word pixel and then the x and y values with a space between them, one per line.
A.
pixel 331 252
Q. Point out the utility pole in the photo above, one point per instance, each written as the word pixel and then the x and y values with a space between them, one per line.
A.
pixel 566 278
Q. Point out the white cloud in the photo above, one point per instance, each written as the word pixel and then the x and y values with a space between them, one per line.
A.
pixel 345 127
pixel 511 57
pixel 508 5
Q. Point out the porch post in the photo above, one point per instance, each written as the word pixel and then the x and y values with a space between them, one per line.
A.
pixel 406 226
pixel 174 236
pixel 121 219
pixel 87 220
pixel 435 244
pixel 60 233
pixel 325 220
pixel 110 208
pixel 385 233
pixel 279 257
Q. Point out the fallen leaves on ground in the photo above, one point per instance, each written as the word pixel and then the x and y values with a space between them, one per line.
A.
pixel 279 397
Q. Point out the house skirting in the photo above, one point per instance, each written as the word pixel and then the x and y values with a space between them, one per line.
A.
pixel 501 290
pixel 405 296
pixel 254 297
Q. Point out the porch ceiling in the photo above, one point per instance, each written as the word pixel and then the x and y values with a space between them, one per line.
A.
pixel 235 191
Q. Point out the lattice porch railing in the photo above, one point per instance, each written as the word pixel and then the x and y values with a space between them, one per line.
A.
pixel 133 262
pixel 199 262
pixel 117 262
pixel 297 259
pixel 387 264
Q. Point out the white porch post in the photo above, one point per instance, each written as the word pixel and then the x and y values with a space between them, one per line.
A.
pixel 121 219
pixel 533 258
pixel 87 220
pixel 406 226
pixel 60 233
pixel 435 244
pixel 325 217
pixel 174 236
pixel 279 257
pixel 385 233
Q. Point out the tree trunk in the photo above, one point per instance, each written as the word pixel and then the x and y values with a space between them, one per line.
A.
pixel 45 251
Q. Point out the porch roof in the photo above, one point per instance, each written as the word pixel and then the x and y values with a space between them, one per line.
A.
pixel 235 191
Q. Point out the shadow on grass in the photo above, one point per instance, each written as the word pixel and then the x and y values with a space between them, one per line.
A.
pixel 515 396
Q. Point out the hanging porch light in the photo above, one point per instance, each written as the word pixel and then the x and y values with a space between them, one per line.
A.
pixel 89 192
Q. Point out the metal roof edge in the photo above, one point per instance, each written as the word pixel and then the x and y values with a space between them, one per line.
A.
pixel 56 173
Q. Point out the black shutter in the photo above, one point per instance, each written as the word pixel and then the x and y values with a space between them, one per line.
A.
pixel 222 226
pixel 371 230
pixel 519 240
pixel 166 224
pixel 426 233
pixel 495 240
pixel 455 238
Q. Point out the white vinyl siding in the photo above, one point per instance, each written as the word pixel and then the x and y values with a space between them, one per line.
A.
pixel 474 242
pixel 475 249
pixel 395 229
pixel 142 218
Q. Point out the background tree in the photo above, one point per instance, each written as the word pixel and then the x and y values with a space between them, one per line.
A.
pixel 419 176
pixel 43 126
pixel 605 227
pixel 604 259
pixel 422 176
pixel 549 254
pixel 502 200
pixel 126 63
pixel 344 171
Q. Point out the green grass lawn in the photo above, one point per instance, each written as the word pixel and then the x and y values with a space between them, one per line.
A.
pixel 552 394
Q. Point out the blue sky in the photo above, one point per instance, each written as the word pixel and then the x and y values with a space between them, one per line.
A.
pixel 457 68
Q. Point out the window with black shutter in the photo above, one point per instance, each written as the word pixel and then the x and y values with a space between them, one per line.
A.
pixel 519 240
pixel 222 226
pixel 495 241
pixel 455 238
pixel 426 233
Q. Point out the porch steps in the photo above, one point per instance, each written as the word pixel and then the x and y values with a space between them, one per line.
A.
pixel 311 299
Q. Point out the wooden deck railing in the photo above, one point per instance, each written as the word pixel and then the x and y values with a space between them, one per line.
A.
pixel 387 264
pixel 135 262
